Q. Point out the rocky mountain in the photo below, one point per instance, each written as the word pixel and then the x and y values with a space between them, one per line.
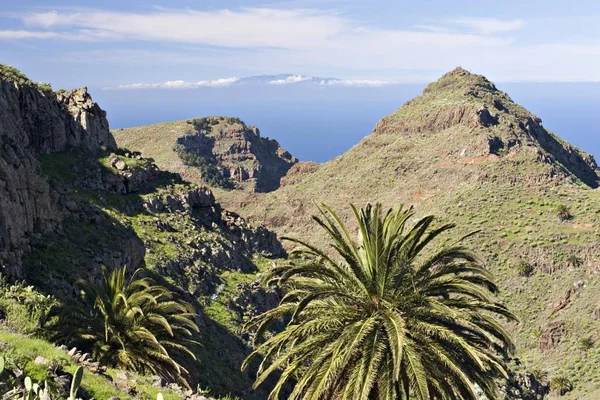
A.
pixel 32 123
pixel 464 151
pixel 71 201
pixel 221 151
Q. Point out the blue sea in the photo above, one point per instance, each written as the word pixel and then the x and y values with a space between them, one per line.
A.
pixel 317 124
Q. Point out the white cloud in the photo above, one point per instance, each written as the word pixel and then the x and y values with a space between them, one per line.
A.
pixel 290 79
pixel 178 84
pixel 21 34
pixel 252 27
pixel 354 83
pixel 490 26
pixel 271 40
pixel 218 82
pixel 225 82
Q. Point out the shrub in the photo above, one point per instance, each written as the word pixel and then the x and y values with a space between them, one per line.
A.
pixel 23 386
pixel 234 120
pixel 523 268
pixel 563 213
pixel 560 385
pixel 574 261
pixel 203 125
pixel 25 309
pixel 11 73
pixel 585 343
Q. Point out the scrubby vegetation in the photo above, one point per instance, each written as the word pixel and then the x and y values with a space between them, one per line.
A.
pixel 387 322
pixel 523 268
pixel 11 73
pixel 23 308
pixel 563 212
pixel 209 171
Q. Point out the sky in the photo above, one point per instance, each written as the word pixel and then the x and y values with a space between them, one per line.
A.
pixel 153 42
pixel 314 74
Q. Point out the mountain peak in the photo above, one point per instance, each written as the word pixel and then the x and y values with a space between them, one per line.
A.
pixel 475 120
pixel 462 82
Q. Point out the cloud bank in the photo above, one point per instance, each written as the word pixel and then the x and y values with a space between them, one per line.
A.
pixel 316 41
pixel 254 80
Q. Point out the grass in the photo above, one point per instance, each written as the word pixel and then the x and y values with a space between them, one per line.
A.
pixel 23 350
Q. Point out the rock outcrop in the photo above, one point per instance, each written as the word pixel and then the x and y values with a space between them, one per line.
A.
pixel 35 122
pixel 219 151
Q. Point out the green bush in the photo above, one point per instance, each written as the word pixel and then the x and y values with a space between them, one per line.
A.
pixel 574 261
pixel 523 268
pixel 25 309
pixel 201 124
pixel 563 212
pixel 211 174
pixel 24 386
pixel 585 343
pixel 234 120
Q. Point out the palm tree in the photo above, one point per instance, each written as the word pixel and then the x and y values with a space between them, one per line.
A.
pixel 560 385
pixel 132 324
pixel 386 318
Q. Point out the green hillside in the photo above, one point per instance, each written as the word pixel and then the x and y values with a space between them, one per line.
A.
pixel 464 151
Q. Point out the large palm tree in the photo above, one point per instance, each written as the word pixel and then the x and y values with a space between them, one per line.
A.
pixel 133 324
pixel 385 317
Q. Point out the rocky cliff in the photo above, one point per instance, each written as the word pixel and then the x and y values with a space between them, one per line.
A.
pixel 34 122
pixel 71 202
pixel 221 151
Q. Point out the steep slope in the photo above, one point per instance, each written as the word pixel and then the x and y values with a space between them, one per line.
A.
pixel 71 201
pixel 466 152
pixel 221 151
pixel 33 122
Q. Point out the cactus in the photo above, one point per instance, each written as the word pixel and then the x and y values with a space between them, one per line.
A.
pixel 75 383
pixel 28 395
pixel 34 391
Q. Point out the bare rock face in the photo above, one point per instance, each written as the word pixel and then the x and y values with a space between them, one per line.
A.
pixel 552 336
pixel 239 152
pixel 34 122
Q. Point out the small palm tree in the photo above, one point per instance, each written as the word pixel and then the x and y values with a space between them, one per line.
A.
pixel 563 212
pixel 132 324
pixel 387 318
pixel 560 385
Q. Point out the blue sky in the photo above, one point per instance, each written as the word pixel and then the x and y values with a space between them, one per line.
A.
pixel 359 42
